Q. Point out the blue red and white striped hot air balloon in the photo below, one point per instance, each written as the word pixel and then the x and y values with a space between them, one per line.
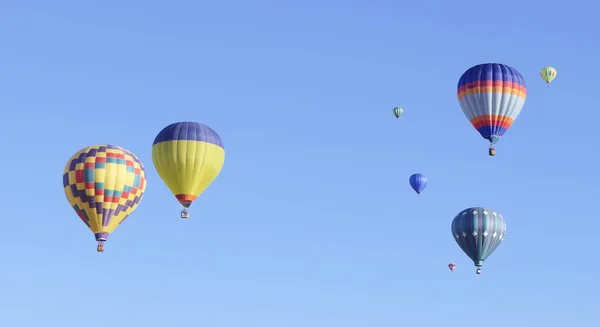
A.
pixel 491 96
pixel 478 231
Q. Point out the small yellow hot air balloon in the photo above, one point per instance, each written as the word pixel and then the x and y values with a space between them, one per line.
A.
pixel 548 74
pixel 188 156
pixel 104 184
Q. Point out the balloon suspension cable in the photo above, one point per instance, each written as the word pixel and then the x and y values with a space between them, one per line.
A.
pixel 100 247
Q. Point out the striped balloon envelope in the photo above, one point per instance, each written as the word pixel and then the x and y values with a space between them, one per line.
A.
pixel 491 96
pixel 478 232
pixel 398 112
pixel 548 74
pixel 418 182
pixel 188 156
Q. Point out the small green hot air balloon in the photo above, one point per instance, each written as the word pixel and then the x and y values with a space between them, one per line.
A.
pixel 398 112
pixel 548 74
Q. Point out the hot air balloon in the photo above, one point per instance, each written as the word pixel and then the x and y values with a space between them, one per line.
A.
pixel 478 231
pixel 491 96
pixel 188 156
pixel 452 266
pixel 398 112
pixel 548 74
pixel 104 184
pixel 418 182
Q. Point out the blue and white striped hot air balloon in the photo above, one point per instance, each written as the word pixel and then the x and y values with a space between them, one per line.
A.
pixel 418 182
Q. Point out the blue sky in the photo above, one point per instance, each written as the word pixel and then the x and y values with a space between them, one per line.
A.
pixel 312 221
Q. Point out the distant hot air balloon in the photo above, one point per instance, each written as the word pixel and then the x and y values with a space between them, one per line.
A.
pixel 188 156
pixel 491 96
pixel 548 74
pixel 452 266
pixel 398 112
pixel 418 182
pixel 478 231
pixel 104 184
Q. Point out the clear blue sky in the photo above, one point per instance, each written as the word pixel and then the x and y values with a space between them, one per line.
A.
pixel 312 221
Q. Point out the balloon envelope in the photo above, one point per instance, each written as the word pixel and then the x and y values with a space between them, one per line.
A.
pixel 491 96
pixel 398 112
pixel 478 231
pixel 452 266
pixel 548 74
pixel 188 156
pixel 104 184
pixel 418 182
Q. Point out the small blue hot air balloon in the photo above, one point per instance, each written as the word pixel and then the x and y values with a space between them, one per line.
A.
pixel 478 231
pixel 418 182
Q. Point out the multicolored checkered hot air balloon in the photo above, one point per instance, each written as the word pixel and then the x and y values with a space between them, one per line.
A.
pixel 491 96
pixel 104 184
pixel 188 156
pixel 478 231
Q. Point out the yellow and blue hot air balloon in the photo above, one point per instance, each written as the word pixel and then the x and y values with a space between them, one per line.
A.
pixel 548 74
pixel 104 184
pixel 491 96
pixel 188 156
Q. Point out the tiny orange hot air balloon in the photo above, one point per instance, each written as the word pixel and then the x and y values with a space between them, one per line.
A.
pixel 452 266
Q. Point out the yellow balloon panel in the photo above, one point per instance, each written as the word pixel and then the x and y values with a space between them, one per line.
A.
pixel 187 167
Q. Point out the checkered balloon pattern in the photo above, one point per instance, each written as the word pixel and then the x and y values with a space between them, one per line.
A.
pixel 104 184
